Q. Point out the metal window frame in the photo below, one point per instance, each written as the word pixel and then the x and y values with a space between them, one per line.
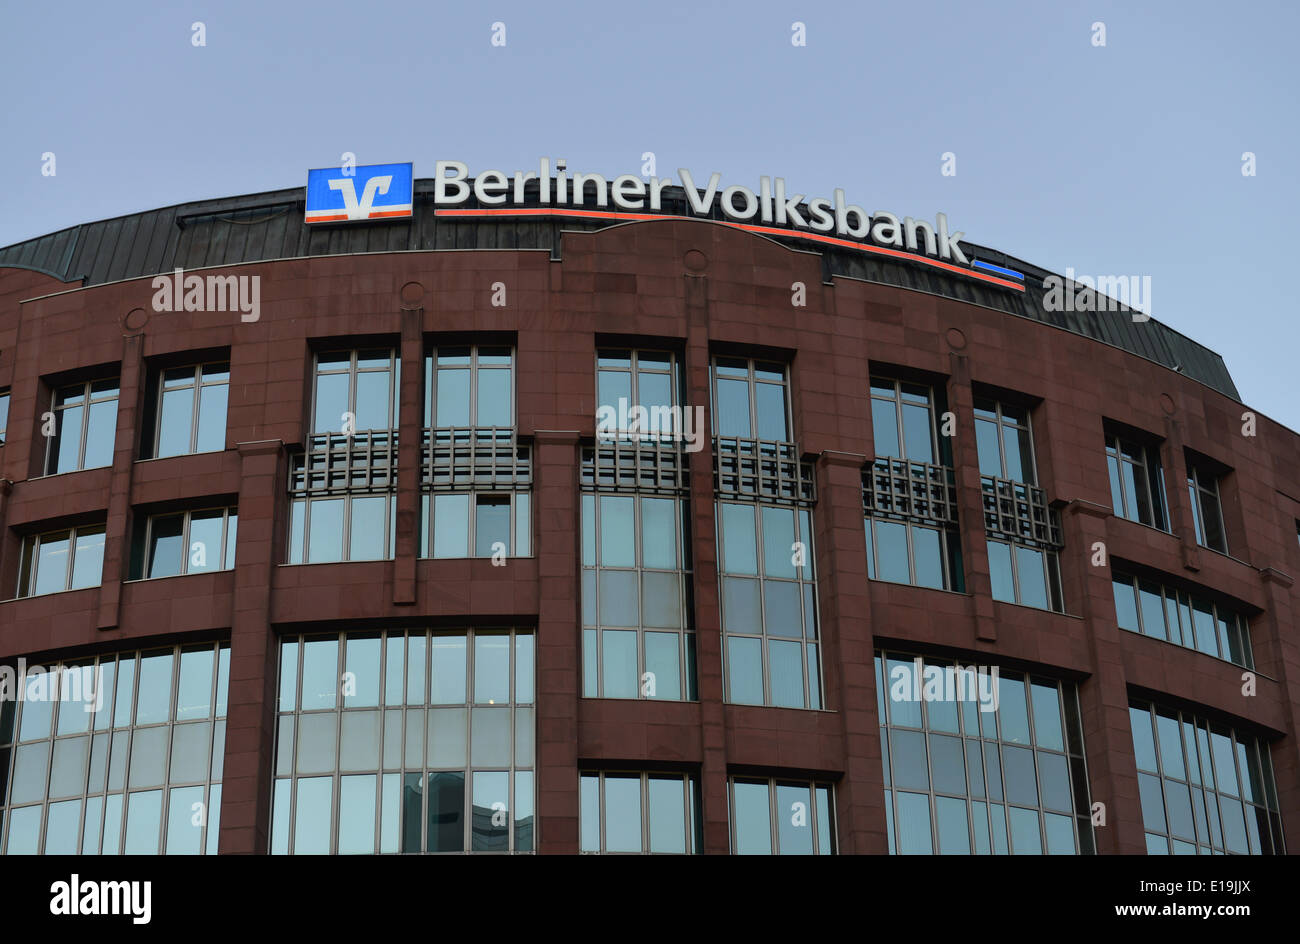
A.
pixel 687 685
pixel 185 540
pixel 874 380
pixel 1202 494
pixel 31 551
pixel 473 367
pixel 197 386
pixel 1000 423
pixel 85 420
pixel 129 728
pixel 1211 793
pixel 946 536
pixel 1152 478
pixel 1179 635
pixel 336 774
pixel 763 635
pixel 1074 752
pixel 306 500
pixel 1051 574
pixel 353 370
pixel 690 803
pixel 752 380
pixel 634 371
pixel 774 838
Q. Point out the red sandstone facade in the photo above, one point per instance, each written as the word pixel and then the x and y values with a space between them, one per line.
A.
pixel 701 289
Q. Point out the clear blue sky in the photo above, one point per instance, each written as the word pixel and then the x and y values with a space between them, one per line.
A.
pixel 1117 160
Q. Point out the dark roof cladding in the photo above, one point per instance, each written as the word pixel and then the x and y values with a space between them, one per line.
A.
pixel 270 225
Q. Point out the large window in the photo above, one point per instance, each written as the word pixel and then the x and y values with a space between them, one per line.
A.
pixel 1024 574
pixel 632 380
pixel 1185 619
pixel 979 760
pixel 469 386
pixel 69 559
pixel 1206 788
pixel 1137 483
pixel 636 611
pixel 1004 441
pixel 749 399
pixel 342 528
pixel 476 524
pixel 909 496
pixel 1207 507
pixel 116 754
pixel 191 409
pixel 85 426
pixel 356 391
pixel 405 742
pixel 188 542
pixel 781 817
pixel 639 813
pixel 769 605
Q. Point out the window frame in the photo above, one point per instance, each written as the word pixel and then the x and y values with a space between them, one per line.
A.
pixel 752 380
pixel 1201 496
pixel 941 455
pixel 1052 582
pixel 692 818
pixel 1001 423
pixel 431 369
pixel 352 370
pixel 197 386
pixel 29 559
pixel 1152 474
pixel 87 392
pixel 303 550
pixel 774 837
pixel 228 512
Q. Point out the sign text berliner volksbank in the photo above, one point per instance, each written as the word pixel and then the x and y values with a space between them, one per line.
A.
pixel 770 204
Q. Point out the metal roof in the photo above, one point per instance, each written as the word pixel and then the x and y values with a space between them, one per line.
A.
pixel 270 225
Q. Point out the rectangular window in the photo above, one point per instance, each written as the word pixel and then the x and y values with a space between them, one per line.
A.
pixel 469 386
pixel 1137 483
pixel 903 422
pixel 637 395
pixel 328 529
pixel 656 813
pixel 780 817
pixel 356 391
pixel 405 742
pixel 4 415
pixel 476 524
pixel 187 542
pixel 978 760
pixel 769 605
pixel 1004 441
pixel 637 639
pixel 1185 619
pixel 1206 789
pixel 1207 509
pixel 68 559
pixel 1024 574
pixel 749 400
pixel 85 426
pixel 904 551
pixel 117 754
pixel 191 409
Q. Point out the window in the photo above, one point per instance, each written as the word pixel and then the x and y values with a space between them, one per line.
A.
pixel 4 415
pixel 1185 619
pixel 469 386
pixel 187 542
pixel 85 426
pixel 636 585
pixel 1004 441
pixel 1207 509
pixel 637 392
pixel 903 422
pixel 980 760
pixel 769 605
pixel 191 409
pixel 1137 484
pixel 749 399
pixel 640 813
pixel 324 529
pixel 405 742
pixel 476 524
pixel 909 493
pixel 69 559
pixel 1030 576
pixel 356 391
pixel 779 817
pixel 117 754
pixel 1206 789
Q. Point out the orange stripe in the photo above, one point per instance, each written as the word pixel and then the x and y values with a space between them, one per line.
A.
pixel 747 227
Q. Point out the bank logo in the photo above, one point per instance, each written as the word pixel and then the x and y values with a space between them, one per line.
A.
pixel 370 192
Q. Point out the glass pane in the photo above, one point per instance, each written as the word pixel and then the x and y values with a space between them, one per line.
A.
pixel 325 530
pixel 770 404
pixel 450 525
pixel 52 563
pixel 794 819
pixel 176 422
pixel 194 692
pixel 452 398
pixel 913 827
pixel 447 812
pixel 312 822
pixel 891 552
pixel 618 595
pixel 1033 581
pixel 373 401
pixel 1125 606
pixel 319 673
pixel 619 664
pixel 1025 838
pixel 954 830
pixel 928 557
pixel 490 823
pixel 166 545
pixel 884 427
pixel 495 401
pixel 986 443
pixel 491 525
pixel 745 670
pixel 490 737
pixel 661 662
pixel 589 810
pixel 658 533
pixel 751 821
pixel 448 744
pixel 212 417
pixel 331 402
pixel 740 550
pixel 733 408
pixel 617 532
pixel 1047 717
pixel 369 515
pixel 917 433
pixel 449 672
pixel 100 432
pixel 661 605
pixel 667 814
pixel 622 814
pixel 491 669
pixel 143 822
pixel 1004 587
pixel 786 672
pixel 88 561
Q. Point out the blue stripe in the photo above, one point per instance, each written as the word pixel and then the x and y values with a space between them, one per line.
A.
pixel 996 268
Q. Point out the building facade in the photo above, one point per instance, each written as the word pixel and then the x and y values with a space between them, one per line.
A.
pixel 890 559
